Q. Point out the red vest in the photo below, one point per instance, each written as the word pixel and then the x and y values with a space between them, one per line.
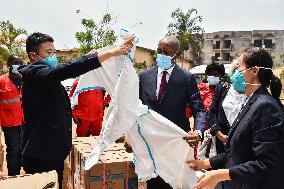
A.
pixel 206 95
pixel 90 104
pixel 11 113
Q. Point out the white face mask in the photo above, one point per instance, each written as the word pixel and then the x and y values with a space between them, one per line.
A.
pixel 15 69
pixel 212 80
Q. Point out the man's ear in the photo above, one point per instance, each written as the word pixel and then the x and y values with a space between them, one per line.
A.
pixel 33 56
pixel 178 54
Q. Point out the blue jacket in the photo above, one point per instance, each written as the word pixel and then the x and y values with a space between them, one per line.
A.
pixel 47 110
pixel 181 89
pixel 254 152
pixel 217 119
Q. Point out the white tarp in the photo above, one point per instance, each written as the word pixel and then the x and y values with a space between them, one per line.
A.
pixel 157 142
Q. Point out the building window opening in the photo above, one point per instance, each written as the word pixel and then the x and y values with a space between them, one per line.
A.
pixel 268 43
pixel 227 44
pixel 257 43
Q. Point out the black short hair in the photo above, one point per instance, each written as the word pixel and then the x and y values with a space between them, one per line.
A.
pixel 215 67
pixel 35 40
pixel 12 58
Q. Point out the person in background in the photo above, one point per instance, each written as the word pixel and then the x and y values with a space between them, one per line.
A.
pixel 48 119
pixel 225 107
pixel 11 113
pixel 214 72
pixel 166 88
pixel 253 157
pixel 88 114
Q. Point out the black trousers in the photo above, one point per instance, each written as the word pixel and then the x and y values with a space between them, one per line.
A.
pixel 13 142
pixel 32 166
pixel 157 183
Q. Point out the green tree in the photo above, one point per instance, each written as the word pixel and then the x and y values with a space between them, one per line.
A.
pixel 186 27
pixel 139 66
pixel 96 34
pixel 282 57
pixel 9 43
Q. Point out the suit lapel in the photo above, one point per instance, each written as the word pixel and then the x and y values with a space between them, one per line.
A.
pixel 153 84
pixel 243 112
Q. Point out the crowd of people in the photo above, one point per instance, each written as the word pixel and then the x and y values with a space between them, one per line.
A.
pixel 246 119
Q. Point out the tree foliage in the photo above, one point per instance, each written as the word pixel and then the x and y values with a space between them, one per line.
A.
pixel 96 34
pixel 9 43
pixel 186 27
pixel 282 57
pixel 139 66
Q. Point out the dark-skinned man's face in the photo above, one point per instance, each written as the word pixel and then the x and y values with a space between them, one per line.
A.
pixel 169 47
pixel 166 49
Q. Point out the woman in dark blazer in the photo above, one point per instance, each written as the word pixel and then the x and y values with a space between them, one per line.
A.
pixel 254 155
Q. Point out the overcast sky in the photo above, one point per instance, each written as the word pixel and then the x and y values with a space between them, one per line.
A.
pixel 58 18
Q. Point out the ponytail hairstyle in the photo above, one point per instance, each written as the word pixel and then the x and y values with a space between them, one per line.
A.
pixel 276 88
pixel 255 57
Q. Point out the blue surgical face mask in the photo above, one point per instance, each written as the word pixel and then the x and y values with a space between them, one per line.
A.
pixel 51 60
pixel 238 81
pixel 164 62
pixel 15 69
pixel 212 80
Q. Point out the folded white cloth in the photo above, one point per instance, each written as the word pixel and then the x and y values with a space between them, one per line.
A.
pixel 157 142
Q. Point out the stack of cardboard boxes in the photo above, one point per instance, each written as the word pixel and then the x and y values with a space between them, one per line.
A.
pixel 67 182
pixel 35 181
pixel 115 169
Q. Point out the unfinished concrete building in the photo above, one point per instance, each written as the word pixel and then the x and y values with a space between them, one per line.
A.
pixel 222 46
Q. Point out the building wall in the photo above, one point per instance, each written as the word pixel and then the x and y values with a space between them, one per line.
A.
pixel 241 39
pixel 66 53
pixel 144 55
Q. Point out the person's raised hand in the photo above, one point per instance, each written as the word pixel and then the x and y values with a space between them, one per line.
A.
pixel 121 49
pixel 124 47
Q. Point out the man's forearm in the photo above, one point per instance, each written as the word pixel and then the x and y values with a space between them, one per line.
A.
pixel 105 55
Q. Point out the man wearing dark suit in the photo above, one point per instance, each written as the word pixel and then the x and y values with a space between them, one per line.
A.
pixel 166 89
pixel 47 111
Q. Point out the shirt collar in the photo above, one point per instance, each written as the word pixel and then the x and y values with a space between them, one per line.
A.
pixel 168 70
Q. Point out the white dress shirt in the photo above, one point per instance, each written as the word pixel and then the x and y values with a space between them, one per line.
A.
pixel 160 75
pixel 232 104
pixel 159 80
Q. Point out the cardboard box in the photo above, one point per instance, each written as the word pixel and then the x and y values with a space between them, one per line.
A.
pixel 36 181
pixel 116 147
pixel 80 143
pixel 76 181
pixel 67 182
pixel 115 170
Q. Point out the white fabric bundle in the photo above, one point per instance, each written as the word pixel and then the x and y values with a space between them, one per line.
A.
pixel 157 142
